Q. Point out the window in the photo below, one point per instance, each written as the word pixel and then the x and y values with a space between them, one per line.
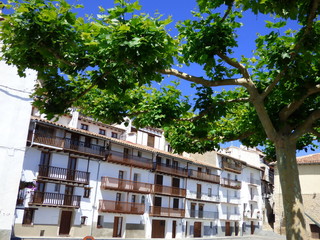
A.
pixel 114 135
pixel 208 171
pixel 176 203
pixel 121 174
pixel 139 154
pixel 118 197
pixel 84 126
pixel 168 162
pixel 86 193
pixel 45 159
pixel 126 151
pixel 40 186
pixel 83 220
pixel 209 192
pixel 175 164
pixel 57 187
pixel 150 140
pixel 158 159
pixel 170 149
pixel 136 177
pixel 143 199
pixel 102 131
pixel 100 221
pixel 133 198
pixel 28 216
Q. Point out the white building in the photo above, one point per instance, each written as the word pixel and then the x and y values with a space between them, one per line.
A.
pixel 115 181
pixel 15 114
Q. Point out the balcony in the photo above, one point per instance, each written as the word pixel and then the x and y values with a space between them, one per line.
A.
pixel 225 182
pixel 134 161
pixel 121 207
pixel 231 199
pixel 68 144
pixel 252 216
pixel 171 191
pixel 254 198
pixel 170 169
pixel 203 214
pixel 83 147
pixel 156 211
pixel 232 166
pixel 54 200
pixel 204 176
pixel 230 216
pixel 203 196
pixel 254 182
pixel 108 183
pixel 63 174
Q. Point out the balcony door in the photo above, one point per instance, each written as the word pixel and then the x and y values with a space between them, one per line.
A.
pixel 157 205
pixel 159 183
pixel 201 206
pixel 193 210
pixel 75 141
pixel 175 185
pixel 65 222
pixel 117 227
pixel 198 191
pixel 44 164
pixel 68 196
pixel 39 193
pixel 72 165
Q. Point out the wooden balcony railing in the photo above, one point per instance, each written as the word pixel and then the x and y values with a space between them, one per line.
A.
pixel 125 185
pixel 63 174
pixel 157 211
pixel 170 169
pixel 83 147
pixel 166 190
pixel 230 183
pixel 233 167
pixel 121 207
pixel 68 144
pixel 54 200
pixel 135 161
pixel 203 214
pixel 204 176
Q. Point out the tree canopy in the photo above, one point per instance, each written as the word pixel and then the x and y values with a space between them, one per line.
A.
pixel 106 66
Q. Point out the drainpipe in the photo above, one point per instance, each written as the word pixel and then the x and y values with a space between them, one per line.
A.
pixel 95 197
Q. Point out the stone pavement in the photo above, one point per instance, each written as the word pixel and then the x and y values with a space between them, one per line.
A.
pixel 262 235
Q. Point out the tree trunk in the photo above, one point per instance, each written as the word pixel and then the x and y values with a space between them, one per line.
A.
pixel 291 192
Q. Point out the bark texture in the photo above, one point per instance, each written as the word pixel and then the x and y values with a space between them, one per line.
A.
pixel 291 192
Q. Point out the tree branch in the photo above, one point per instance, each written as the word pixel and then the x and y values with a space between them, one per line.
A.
pixel 289 109
pixel 57 56
pixel 235 64
pixel 306 125
pixel 314 132
pixel 311 17
pixel 202 81
pixel 227 12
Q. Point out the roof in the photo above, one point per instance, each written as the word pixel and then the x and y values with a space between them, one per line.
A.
pixel 309 159
pixel 124 142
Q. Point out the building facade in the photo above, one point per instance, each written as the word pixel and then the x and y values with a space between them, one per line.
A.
pixel 309 175
pixel 85 178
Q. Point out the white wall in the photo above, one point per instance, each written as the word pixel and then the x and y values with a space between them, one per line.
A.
pixel 15 114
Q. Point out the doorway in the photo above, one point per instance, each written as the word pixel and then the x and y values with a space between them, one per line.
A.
pixel 174 228
pixel 228 232
pixel 65 222
pixel 197 229
pixel 117 227
pixel 158 228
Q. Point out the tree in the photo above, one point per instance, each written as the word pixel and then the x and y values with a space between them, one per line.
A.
pixel 105 67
